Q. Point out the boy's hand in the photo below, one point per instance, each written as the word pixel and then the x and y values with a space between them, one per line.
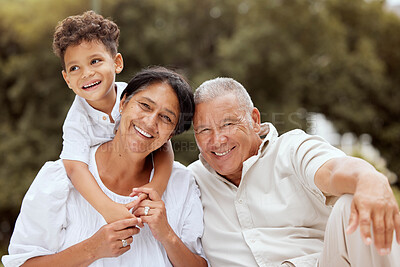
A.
pixel 140 196
pixel 116 212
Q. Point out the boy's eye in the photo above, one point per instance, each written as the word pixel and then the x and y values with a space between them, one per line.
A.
pixel 94 61
pixel 73 68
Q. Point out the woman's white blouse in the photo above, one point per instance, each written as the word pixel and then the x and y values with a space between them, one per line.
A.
pixel 54 216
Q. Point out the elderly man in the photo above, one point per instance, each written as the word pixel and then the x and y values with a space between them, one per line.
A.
pixel 268 202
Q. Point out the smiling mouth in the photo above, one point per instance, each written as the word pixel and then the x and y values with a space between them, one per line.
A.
pixel 91 85
pixel 220 154
pixel 144 133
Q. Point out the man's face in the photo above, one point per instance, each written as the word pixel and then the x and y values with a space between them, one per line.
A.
pixel 226 134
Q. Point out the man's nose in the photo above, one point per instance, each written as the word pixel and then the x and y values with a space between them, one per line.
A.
pixel 219 138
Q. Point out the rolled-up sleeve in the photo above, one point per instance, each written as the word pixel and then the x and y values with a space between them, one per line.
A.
pixel 308 155
pixel 39 229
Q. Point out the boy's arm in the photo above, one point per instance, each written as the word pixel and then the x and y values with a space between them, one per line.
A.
pixel 85 183
pixel 163 161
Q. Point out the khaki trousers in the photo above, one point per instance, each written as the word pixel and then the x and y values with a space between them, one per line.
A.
pixel 341 250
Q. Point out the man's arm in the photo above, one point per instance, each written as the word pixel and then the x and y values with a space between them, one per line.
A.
pixel 373 200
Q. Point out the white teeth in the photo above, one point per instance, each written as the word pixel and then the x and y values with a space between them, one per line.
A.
pixel 223 153
pixel 143 132
pixel 90 85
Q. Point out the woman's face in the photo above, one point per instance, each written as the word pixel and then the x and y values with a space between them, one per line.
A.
pixel 149 118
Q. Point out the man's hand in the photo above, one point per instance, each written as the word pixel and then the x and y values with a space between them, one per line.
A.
pixel 374 203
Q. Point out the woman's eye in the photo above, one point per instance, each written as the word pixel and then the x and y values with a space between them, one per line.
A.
pixel 144 105
pixel 94 61
pixel 166 118
pixel 73 68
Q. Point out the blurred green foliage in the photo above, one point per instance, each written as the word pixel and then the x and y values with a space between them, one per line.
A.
pixel 337 57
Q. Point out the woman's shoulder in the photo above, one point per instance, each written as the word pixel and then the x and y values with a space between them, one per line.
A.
pixel 51 181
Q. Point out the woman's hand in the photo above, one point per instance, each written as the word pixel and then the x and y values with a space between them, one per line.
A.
pixel 156 216
pixel 107 241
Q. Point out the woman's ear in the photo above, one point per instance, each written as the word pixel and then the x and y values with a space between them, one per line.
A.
pixel 256 120
pixel 121 104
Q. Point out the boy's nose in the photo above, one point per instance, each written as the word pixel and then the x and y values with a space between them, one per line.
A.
pixel 87 72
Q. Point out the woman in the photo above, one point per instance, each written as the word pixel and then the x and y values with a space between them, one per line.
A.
pixel 57 227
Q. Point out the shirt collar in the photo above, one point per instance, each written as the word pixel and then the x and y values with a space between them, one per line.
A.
pixel 98 115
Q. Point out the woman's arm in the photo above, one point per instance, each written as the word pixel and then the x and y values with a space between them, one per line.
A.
pixel 106 242
pixel 156 218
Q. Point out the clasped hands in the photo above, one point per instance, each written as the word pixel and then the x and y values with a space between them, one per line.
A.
pixel 115 238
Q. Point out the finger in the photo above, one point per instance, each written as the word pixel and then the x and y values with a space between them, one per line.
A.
pixel 397 225
pixel 153 195
pixel 378 227
pixel 140 212
pixel 365 226
pixel 353 221
pixel 389 227
pixel 123 250
pixel 128 240
pixel 135 191
pixel 140 222
pixel 125 233
pixel 133 204
pixel 125 223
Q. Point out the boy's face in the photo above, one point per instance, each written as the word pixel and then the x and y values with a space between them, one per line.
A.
pixel 90 72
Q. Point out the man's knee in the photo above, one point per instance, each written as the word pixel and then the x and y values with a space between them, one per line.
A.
pixel 342 208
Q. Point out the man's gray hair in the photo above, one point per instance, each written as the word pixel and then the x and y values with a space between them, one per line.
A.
pixel 221 86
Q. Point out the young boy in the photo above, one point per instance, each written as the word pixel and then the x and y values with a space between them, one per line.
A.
pixel 87 46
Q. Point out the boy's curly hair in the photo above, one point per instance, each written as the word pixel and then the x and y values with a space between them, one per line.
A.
pixel 86 27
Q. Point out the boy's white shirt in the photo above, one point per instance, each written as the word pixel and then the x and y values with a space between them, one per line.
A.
pixel 85 127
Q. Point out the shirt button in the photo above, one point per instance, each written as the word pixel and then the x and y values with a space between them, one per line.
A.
pixel 240 201
pixel 104 118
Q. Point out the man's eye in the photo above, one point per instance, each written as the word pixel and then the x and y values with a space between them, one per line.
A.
pixel 205 130
pixel 228 124
pixel 94 61
pixel 73 68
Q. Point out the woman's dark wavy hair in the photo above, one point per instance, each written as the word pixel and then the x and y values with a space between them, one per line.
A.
pixel 181 87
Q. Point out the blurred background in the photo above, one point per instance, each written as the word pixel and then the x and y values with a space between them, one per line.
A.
pixel 329 67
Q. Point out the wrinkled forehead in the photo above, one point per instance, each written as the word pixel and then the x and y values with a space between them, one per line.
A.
pixel 207 117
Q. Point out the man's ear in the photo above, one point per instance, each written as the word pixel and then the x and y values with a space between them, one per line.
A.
pixel 256 120
pixel 119 63
pixel 65 76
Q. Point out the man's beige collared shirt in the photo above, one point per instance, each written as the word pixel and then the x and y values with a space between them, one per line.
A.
pixel 276 213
